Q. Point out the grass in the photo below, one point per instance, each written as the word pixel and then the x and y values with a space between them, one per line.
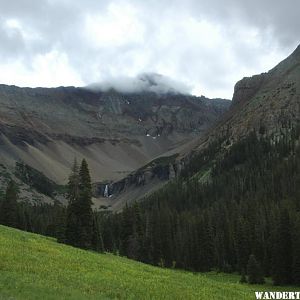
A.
pixel 36 267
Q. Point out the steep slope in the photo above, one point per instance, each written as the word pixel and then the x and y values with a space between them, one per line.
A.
pixel 237 193
pixel 116 133
pixel 39 268
pixel 268 103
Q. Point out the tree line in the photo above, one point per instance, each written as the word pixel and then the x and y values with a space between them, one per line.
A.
pixel 232 211
pixel 75 224
pixel 239 212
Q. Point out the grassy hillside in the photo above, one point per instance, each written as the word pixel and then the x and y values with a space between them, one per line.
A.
pixel 36 267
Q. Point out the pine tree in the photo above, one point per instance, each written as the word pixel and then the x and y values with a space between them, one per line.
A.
pixel 242 244
pixel 79 229
pixel 205 250
pixel 97 241
pixel 85 212
pixel 60 222
pixel 239 206
pixel 72 223
pixel 127 221
pixel 296 253
pixel 9 209
pixel 282 255
pixel 254 271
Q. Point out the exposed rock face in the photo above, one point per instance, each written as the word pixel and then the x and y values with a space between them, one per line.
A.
pixel 246 88
pixel 138 178
pixel 268 103
pixel 114 195
pixel 116 133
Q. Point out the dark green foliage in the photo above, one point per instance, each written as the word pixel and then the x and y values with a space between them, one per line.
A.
pixel 9 207
pixel 84 206
pixel 219 223
pixel 243 277
pixel 249 205
pixel 60 223
pixel 254 271
pixel 35 179
pixel 77 225
pixel 44 219
pixel 283 253
pixel 82 229
pixel 96 240
pixel 72 223
pixel 296 253
pixel 242 243
pixel 198 162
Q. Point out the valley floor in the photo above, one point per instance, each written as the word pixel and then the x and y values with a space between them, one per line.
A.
pixel 36 267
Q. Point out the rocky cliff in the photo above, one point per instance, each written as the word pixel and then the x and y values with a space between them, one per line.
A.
pixel 268 104
pixel 271 101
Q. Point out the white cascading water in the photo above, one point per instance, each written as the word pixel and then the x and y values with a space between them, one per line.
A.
pixel 105 194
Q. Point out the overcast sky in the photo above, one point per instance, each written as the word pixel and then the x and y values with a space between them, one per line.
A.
pixel 205 45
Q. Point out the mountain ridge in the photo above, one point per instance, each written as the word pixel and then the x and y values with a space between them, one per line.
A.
pixel 118 133
pixel 75 118
pixel 264 103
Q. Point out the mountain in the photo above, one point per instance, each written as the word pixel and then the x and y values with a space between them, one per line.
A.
pixel 226 200
pixel 118 133
pixel 268 103
pixel 235 198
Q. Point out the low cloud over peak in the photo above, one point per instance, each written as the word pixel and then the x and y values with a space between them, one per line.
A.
pixel 208 44
pixel 144 82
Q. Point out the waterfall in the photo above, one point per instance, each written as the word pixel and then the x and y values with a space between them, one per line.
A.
pixel 105 194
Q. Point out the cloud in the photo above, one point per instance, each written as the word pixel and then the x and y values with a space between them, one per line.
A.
pixel 146 82
pixel 206 45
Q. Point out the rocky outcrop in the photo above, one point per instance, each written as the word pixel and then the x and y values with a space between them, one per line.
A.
pixel 246 88
pixel 163 169
pixel 268 104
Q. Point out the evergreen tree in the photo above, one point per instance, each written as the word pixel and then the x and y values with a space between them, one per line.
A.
pixel 282 255
pixel 79 228
pixel 85 212
pixel 97 241
pixel 247 203
pixel 219 221
pixel 242 244
pixel 72 222
pixel 255 275
pixel 9 208
pixel 296 253
pixel 60 222
pixel 126 229
pixel 205 252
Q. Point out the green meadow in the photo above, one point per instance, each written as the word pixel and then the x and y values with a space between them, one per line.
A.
pixel 36 267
